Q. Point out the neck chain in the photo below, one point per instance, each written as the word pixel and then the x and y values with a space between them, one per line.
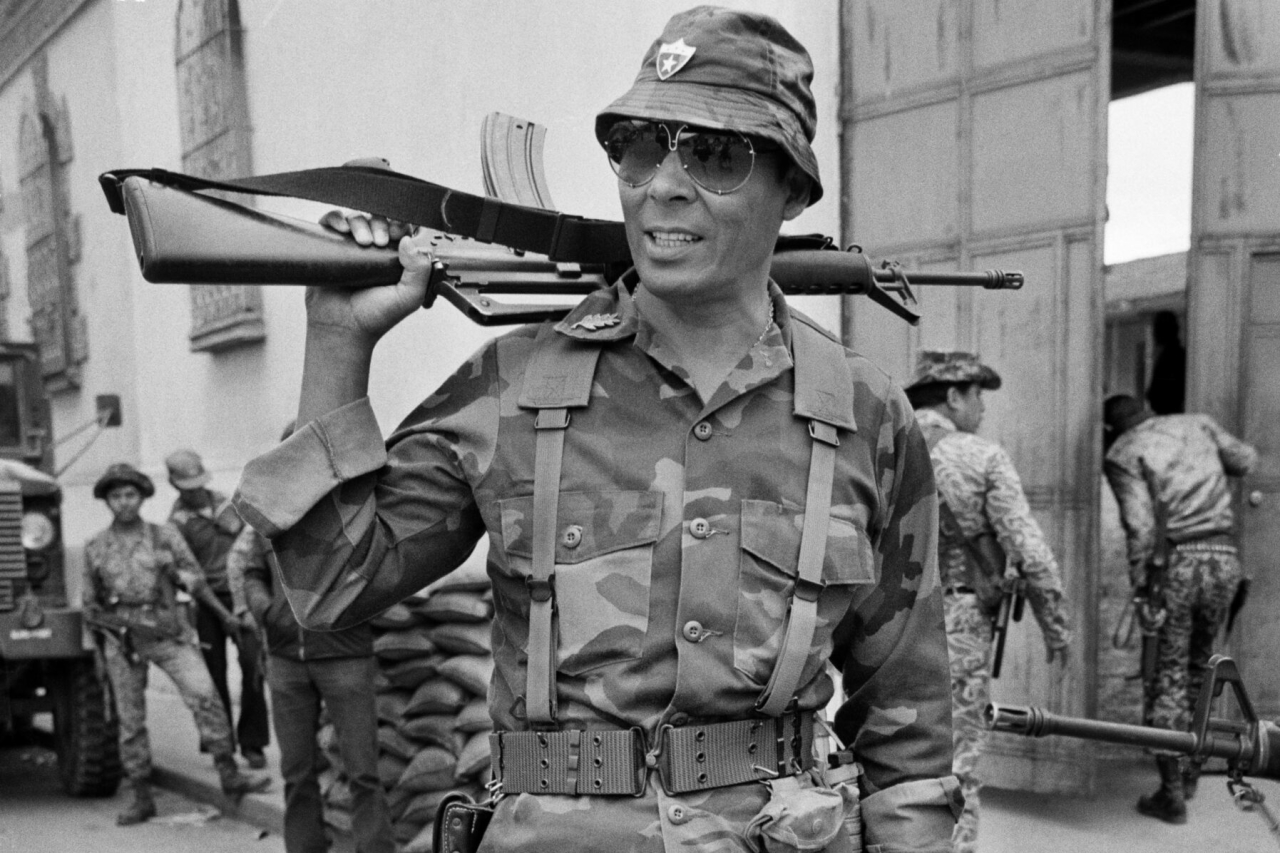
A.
pixel 767 326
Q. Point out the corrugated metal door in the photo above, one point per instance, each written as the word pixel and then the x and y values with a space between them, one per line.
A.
pixel 1233 292
pixel 974 137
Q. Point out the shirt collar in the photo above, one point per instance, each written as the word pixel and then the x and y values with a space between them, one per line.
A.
pixel 934 418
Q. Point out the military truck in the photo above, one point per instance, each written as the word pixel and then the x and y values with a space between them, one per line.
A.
pixel 47 663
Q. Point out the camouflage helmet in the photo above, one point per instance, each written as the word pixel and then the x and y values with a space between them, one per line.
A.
pixel 942 367
pixel 122 473
pixel 186 470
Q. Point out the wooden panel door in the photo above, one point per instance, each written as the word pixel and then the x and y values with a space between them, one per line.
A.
pixel 1233 297
pixel 974 137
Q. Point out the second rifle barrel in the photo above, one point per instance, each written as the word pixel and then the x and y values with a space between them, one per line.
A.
pixel 1036 722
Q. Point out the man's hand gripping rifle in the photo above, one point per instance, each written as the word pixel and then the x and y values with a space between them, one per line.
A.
pixel 1250 746
pixel 498 244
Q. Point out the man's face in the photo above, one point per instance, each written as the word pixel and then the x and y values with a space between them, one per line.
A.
pixel 965 407
pixel 124 501
pixel 193 497
pixel 691 245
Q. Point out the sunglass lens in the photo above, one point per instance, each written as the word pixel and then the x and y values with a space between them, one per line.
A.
pixel 634 151
pixel 721 162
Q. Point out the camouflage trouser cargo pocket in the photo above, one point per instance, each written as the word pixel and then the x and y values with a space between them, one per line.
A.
pixel 767 571
pixel 604 560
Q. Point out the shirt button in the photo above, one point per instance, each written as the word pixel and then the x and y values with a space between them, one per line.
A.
pixel 702 431
pixel 572 537
pixel 679 718
pixel 693 631
pixel 700 528
pixel 677 814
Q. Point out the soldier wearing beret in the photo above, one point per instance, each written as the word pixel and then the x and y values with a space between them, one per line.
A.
pixel 132 571
pixel 694 498
pixel 983 498
pixel 1176 468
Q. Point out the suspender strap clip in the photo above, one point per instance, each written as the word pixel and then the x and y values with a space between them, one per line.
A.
pixel 540 589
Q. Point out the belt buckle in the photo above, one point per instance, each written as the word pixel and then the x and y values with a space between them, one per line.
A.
pixel 653 759
pixel 641 757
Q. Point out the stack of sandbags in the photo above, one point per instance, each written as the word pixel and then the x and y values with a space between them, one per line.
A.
pixel 435 660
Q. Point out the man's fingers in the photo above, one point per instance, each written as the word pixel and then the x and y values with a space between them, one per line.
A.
pixel 336 220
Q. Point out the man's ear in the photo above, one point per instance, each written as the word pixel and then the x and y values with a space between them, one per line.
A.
pixel 954 396
pixel 799 187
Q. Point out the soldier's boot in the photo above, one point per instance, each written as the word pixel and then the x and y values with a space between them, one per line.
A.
pixel 1168 804
pixel 142 808
pixel 1190 777
pixel 234 783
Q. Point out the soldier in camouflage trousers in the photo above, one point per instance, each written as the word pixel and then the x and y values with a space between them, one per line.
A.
pixel 1170 475
pixel 674 512
pixel 132 572
pixel 983 493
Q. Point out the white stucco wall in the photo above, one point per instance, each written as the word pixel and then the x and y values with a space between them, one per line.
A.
pixel 409 80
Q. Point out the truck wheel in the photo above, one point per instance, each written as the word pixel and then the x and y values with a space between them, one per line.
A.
pixel 84 733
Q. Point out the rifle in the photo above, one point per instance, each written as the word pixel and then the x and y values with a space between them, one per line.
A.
pixel 1013 600
pixel 484 246
pixel 1251 747
pixel 122 626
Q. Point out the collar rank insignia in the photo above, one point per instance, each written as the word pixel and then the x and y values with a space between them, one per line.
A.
pixel 595 322
pixel 672 57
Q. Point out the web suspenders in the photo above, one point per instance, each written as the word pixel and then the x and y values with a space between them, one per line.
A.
pixel 559 377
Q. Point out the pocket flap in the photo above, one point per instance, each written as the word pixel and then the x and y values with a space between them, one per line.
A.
pixel 772 533
pixel 588 524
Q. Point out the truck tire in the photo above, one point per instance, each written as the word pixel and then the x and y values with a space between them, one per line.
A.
pixel 85 735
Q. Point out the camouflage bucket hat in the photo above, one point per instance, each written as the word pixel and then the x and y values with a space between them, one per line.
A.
pixel 186 470
pixel 727 69
pixel 953 368
pixel 122 473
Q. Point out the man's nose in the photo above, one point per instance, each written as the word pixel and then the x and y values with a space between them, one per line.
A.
pixel 671 180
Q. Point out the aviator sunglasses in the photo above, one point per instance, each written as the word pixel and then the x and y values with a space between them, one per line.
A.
pixel 719 161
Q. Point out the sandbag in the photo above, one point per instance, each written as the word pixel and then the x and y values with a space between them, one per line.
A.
pixel 473 672
pixel 474 758
pixel 471 576
pixel 402 645
pixel 430 770
pixel 433 729
pixel 408 674
pixel 391 705
pixel 461 638
pixel 391 768
pixel 457 606
pixel 436 696
pixel 397 617
pixel 339 796
pixel 390 740
pixel 422 842
pixel 422 808
pixel 474 717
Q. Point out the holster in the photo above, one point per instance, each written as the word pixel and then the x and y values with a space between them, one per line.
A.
pixel 460 824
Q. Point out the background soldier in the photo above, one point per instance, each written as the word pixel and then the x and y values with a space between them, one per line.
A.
pixel 133 570
pixel 1169 474
pixel 207 521
pixel 307 668
pixel 983 494
pixel 658 659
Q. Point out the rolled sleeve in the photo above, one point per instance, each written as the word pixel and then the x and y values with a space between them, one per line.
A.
pixel 913 817
pixel 279 487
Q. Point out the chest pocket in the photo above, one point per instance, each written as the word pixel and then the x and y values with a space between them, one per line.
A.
pixel 603 567
pixel 767 571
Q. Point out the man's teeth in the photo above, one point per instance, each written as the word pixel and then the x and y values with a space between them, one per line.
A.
pixel 669 238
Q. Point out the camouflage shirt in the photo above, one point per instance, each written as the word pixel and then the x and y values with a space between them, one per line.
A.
pixel 209 531
pixel 656 625
pixel 977 479
pixel 135 567
pixel 1183 462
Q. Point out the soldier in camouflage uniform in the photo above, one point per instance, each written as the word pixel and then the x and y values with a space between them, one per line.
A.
pixel 682 498
pixel 977 481
pixel 132 572
pixel 1176 467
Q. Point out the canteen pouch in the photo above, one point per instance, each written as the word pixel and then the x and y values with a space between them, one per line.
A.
pixel 460 824
pixel 798 819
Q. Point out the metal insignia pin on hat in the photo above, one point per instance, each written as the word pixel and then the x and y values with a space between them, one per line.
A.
pixel 672 57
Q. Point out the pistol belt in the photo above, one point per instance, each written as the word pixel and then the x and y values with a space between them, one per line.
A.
pixel 693 757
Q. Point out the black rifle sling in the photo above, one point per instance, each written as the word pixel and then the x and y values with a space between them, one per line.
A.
pixel 559 236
